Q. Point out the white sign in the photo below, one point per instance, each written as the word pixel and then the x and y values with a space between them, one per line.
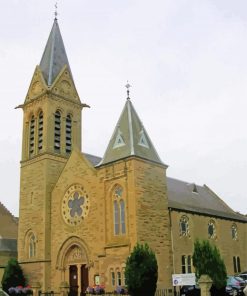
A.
pixel 184 279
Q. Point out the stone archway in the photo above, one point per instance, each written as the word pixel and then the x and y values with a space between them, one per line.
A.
pixel 74 264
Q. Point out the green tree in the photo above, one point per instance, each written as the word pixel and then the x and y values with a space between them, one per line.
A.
pixel 141 271
pixel 13 275
pixel 207 260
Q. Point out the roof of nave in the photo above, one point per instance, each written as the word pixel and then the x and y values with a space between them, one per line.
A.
pixel 54 57
pixel 189 197
pixel 130 138
pixel 93 159
pixel 198 199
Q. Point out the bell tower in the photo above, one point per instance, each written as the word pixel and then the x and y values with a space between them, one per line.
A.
pixel 51 130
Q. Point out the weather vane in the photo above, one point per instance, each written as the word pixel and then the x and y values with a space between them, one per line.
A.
pixel 55 13
pixel 128 89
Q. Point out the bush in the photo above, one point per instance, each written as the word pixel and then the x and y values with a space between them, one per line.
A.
pixel 141 271
pixel 207 260
pixel 13 276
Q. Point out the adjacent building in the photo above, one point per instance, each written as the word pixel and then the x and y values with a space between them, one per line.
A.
pixel 8 237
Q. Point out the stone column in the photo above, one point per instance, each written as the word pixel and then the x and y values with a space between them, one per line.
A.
pixel 36 288
pixel 79 278
pixel 205 284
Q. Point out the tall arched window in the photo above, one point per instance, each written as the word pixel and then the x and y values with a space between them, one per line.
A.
pixel 31 136
pixel 40 131
pixel 57 132
pixel 119 211
pixel 32 246
pixel 122 216
pixel 116 218
pixel 68 140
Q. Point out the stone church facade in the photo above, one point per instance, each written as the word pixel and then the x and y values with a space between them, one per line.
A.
pixel 81 216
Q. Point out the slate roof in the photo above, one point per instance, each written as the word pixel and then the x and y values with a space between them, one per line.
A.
pixel 54 57
pixel 130 138
pixel 93 159
pixel 198 199
pixel 189 197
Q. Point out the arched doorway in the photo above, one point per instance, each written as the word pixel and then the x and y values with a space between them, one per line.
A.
pixel 76 265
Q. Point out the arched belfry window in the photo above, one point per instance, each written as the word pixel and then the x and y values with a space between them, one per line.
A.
pixel 32 246
pixel 40 131
pixel 119 211
pixel 57 132
pixel 68 140
pixel 31 136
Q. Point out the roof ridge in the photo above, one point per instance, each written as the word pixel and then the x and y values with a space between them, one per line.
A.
pixel 221 200
pixel 8 212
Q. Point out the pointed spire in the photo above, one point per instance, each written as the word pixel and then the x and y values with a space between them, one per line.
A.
pixel 130 138
pixel 54 57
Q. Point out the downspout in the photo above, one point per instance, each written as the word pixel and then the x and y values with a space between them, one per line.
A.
pixel 173 257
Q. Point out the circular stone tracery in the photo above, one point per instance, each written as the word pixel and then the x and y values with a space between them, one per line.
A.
pixel 75 205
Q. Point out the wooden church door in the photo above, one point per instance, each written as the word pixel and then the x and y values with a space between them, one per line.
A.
pixel 73 280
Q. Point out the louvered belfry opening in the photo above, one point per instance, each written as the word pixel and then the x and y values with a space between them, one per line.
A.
pixel 31 136
pixel 57 132
pixel 40 131
pixel 68 139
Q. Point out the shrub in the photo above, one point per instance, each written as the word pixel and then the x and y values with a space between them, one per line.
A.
pixel 141 271
pixel 13 276
pixel 207 260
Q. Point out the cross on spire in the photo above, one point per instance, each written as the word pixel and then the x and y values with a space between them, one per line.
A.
pixel 128 89
pixel 56 13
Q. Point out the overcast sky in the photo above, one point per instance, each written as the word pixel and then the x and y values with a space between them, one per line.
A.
pixel 186 61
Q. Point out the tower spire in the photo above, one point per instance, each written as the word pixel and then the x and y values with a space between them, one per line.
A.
pixel 54 57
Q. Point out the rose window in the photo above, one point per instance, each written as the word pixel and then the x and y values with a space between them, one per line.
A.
pixel 75 205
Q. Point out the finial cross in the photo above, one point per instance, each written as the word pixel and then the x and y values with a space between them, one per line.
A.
pixel 128 89
pixel 55 13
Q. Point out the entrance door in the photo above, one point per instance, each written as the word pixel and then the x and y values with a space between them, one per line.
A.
pixel 84 279
pixel 73 274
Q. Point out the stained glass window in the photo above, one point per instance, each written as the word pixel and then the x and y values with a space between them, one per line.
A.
pixel 234 232
pixel 184 226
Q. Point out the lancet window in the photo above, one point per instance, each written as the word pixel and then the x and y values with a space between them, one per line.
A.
pixel 57 132
pixel 68 140
pixel 119 211
pixel 32 246
pixel 40 131
pixel 31 136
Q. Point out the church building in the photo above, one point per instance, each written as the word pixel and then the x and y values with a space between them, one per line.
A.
pixel 81 216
